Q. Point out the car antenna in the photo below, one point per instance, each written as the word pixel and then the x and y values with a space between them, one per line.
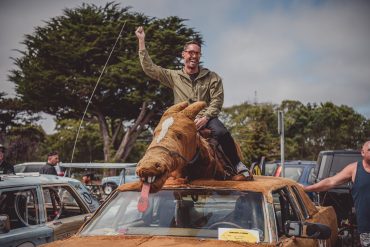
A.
pixel 93 92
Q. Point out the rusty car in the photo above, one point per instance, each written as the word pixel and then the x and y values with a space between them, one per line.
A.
pixel 268 211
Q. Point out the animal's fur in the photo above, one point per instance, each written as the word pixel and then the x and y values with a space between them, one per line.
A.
pixel 163 158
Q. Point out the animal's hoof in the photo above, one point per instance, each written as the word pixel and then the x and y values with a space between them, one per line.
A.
pixel 243 176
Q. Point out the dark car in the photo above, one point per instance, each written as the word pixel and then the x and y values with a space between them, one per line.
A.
pixel 329 163
pixel 301 171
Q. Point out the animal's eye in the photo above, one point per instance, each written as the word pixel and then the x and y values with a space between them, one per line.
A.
pixel 179 136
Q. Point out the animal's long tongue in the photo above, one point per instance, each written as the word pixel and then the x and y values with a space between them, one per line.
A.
pixel 143 203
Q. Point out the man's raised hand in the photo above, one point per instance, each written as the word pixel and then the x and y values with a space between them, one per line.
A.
pixel 140 34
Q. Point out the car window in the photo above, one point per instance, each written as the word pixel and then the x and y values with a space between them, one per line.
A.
pixel 340 161
pixel 21 205
pixel 78 173
pixel 301 204
pixel 311 176
pixel 61 202
pixel 127 175
pixel 270 169
pixel 183 213
pixel 19 169
pixel 99 173
pixel 60 170
pixel 285 209
pixel 33 168
pixel 293 172
pixel 130 171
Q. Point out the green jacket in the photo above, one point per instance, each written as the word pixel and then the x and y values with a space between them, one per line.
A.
pixel 206 87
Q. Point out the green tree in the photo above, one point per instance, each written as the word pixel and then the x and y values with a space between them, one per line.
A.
pixel 312 128
pixel 17 130
pixel 297 131
pixel 25 143
pixel 336 127
pixel 89 147
pixel 14 112
pixel 309 129
pixel 254 127
pixel 63 60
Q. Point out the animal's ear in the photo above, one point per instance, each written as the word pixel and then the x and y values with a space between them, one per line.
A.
pixel 192 110
pixel 176 108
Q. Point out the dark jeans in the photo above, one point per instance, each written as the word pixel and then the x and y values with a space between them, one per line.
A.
pixel 224 138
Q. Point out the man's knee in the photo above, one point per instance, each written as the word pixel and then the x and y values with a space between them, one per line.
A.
pixel 221 134
pixel 218 129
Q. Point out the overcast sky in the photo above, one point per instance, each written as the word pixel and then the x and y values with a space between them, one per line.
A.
pixel 311 51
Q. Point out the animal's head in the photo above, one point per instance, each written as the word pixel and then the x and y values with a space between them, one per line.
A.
pixel 175 136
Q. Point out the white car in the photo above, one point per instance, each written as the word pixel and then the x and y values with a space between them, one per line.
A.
pixel 33 167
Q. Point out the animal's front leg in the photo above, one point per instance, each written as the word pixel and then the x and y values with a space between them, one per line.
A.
pixel 176 178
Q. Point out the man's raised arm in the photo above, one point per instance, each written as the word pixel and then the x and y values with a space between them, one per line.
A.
pixel 342 177
pixel 140 34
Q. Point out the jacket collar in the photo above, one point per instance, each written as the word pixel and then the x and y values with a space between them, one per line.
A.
pixel 202 72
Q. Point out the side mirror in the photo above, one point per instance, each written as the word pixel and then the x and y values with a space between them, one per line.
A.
pixel 4 223
pixel 307 230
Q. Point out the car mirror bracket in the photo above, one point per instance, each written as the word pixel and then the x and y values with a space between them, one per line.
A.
pixel 307 230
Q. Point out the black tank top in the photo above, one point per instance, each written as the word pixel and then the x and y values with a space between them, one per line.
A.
pixel 361 198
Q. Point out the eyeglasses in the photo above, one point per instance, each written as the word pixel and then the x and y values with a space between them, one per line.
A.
pixel 193 53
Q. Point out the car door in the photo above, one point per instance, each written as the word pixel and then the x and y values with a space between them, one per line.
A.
pixel 286 209
pixel 323 215
pixel 64 210
pixel 23 207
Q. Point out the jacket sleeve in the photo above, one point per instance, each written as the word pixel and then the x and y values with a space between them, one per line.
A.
pixel 217 98
pixel 52 171
pixel 154 71
pixel 47 169
pixel 11 169
pixel 7 168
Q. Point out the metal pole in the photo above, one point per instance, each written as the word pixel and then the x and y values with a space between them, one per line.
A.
pixel 281 132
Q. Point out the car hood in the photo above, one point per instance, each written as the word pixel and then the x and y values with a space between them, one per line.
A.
pixel 145 241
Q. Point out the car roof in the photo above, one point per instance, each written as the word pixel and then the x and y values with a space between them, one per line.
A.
pixel 38 163
pixel 342 151
pixel 31 164
pixel 263 184
pixel 32 179
pixel 97 165
pixel 294 162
